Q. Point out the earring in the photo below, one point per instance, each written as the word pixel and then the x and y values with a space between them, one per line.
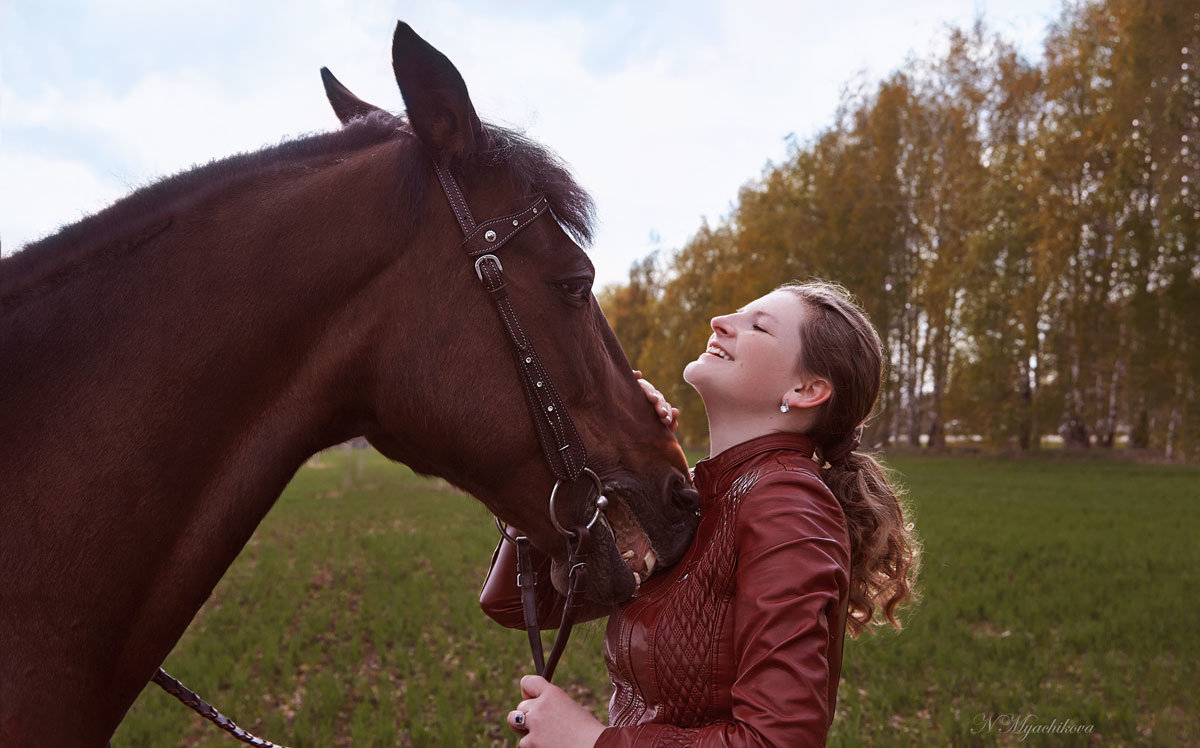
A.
pixel 784 408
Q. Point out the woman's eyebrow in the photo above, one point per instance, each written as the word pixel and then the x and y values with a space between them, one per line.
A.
pixel 760 313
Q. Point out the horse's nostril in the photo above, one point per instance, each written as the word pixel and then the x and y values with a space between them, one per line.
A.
pixel 684 498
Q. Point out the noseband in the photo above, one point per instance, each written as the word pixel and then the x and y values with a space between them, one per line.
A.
pixel 564 450
pixel 561 445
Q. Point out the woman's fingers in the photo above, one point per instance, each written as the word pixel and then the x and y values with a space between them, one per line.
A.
pixel 652 394
pixel 668 415
pixel 647 388
pixel 516 720
pixel 532 686
pixel 663 408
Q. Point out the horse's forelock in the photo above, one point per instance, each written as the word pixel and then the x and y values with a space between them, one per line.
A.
pixel 535 169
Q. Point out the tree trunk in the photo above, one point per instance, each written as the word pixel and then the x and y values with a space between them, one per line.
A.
pixel 1175 421
pixel 931 354
pixel 913 385
pixel 1074 430
pixel 1025 419
pixel 1114 386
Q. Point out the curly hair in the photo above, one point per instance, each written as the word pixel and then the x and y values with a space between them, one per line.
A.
pixel 838 343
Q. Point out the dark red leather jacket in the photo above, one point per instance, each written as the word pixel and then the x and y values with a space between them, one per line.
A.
pixel 740 643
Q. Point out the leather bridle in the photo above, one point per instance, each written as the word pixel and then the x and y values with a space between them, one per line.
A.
pixel 564 451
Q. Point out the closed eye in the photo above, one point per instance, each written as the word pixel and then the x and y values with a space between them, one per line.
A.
pixel 756 327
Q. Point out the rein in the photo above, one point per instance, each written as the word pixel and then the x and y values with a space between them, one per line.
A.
pixel 561 445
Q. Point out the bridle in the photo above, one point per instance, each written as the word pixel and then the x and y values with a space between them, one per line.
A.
pixel 564 451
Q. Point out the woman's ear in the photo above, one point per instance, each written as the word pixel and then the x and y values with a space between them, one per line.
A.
pixel 809 393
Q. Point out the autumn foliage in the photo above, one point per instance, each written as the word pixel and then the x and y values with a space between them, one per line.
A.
pixel 1024 237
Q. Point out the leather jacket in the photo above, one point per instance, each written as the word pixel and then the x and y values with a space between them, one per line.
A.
pixel 740 643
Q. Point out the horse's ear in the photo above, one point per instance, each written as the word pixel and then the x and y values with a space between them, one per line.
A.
pixel 345 105
pixel 439 108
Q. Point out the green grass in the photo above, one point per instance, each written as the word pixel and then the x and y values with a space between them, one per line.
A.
pixel 1051 588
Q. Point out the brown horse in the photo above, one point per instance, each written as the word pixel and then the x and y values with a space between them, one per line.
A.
pixel 168 364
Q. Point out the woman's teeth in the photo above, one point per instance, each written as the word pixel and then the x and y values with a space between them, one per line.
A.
pixel 718 352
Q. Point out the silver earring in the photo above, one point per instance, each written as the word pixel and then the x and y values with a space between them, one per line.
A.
pixel 784 408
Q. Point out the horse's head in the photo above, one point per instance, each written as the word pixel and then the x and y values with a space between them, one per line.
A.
pixel 445 391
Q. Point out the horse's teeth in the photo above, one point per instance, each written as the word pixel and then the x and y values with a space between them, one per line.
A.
pixel 649 558
pixel 637 578
pixel 628 555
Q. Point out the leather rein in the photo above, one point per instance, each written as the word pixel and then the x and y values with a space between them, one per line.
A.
pixel 561 445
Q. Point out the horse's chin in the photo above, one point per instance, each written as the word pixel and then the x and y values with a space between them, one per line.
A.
pixel 609 580
pixel 619 561
pixel 622 556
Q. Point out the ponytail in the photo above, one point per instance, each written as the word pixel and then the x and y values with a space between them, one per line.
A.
pixel 884 550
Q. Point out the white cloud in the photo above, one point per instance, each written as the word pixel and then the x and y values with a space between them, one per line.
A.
pixel 663 110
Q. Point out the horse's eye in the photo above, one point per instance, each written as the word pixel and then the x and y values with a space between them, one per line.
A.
pixel 576 289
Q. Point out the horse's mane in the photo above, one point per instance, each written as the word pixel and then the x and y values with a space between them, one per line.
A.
pixel 141 214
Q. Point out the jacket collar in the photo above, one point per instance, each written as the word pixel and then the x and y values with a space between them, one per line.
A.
pixel 712 474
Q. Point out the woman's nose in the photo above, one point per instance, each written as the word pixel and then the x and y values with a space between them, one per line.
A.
pixel 720 324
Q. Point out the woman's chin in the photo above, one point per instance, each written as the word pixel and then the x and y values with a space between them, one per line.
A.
pixel 694 371
pixel 697 374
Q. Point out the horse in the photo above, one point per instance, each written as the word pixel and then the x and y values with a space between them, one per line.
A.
pixel 167 364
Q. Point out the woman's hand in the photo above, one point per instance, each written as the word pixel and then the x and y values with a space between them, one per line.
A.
pixel 668 415
pixel 549 718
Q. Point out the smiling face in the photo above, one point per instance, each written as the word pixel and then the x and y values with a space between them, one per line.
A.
pixel 750 362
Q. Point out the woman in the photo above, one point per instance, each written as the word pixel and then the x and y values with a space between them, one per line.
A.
pixel 800 537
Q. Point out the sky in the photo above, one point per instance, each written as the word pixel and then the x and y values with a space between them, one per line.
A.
pixel 663 110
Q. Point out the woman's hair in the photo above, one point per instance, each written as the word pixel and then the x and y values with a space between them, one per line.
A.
pixel 838 343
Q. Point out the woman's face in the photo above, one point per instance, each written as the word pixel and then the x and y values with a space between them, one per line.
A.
pixel 751 357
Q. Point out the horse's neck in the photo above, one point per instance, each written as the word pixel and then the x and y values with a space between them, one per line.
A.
pixel 187 346
pixel 154 407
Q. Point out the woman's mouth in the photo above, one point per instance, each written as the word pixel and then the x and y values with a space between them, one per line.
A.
pixel 718 351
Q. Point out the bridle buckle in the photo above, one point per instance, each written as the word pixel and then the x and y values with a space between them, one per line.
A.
pixel 493 258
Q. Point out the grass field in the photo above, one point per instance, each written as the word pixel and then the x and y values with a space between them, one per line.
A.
pixel 1053 590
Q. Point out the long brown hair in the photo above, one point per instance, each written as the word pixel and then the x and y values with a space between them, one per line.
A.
pixel 839 343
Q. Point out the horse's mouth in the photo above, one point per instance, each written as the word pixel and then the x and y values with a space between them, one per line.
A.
pixel 631 540
pixel 624 553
